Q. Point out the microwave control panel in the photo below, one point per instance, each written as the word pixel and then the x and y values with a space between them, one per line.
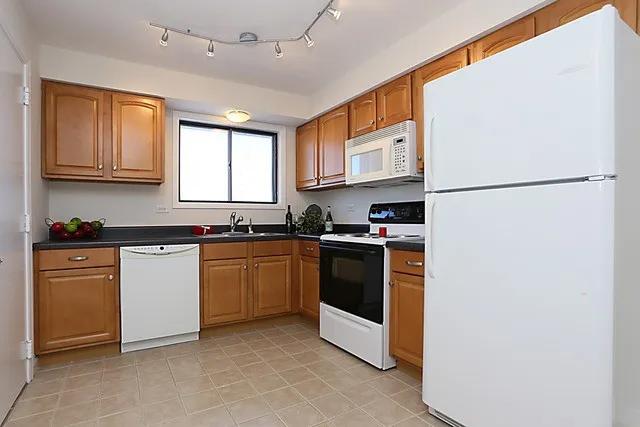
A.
pixel 399 155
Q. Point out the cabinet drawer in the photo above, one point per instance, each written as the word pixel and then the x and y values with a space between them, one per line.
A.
pixel 309 248
pixel 224 250
pixel 407 262
pixel 272 248
pixel 60 259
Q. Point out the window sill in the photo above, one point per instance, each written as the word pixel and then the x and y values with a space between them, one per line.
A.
pixel 229 206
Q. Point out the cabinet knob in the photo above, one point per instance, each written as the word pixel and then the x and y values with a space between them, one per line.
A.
pixel 244 267
pixel 110 277
pixel 308 249
pixel 100 167
pixel 255 265
pixel 391 283
pixel 381 118
pixel 115 167
pixel 419 157
pixel 371 122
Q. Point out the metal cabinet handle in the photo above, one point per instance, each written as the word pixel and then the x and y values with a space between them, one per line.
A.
pixel 100 167
pixel 244 267
pixel 115 167
pixel 78 258
pixel 255 265
pixel 308 249
pixel 419 157
pixel 381 118
pixel 414 263
pixel 391 283
pixel 110 277
pixel 371 122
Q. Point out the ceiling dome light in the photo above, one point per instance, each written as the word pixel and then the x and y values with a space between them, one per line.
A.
pixel 334 13
pixel 237 116
pixel 309 40
pixel 164 40
pixel 279 53
pixel 210 52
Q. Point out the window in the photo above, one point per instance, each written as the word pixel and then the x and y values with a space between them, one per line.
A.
pixel 224 164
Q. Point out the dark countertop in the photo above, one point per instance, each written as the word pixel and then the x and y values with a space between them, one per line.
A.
pixel 407 245
pixel 176 235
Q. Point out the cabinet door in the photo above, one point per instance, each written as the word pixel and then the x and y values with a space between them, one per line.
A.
pixel 394 102
pixel 72 131
pixel 333 131
pixel 504 38
pixel 309 276
pixel 77 308
pixel 271 285
pixel 438 68
pixel 362 115
pixel 138 137
pixel 406 327
pixel 307 155
pixel 563 11
pixel 224 291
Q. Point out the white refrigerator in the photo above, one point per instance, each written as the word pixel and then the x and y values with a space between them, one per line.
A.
pixel 532 176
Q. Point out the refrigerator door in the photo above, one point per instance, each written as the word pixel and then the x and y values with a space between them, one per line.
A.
pixel 519 306
pixel 539 111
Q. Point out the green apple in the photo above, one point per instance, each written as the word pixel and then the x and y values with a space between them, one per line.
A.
pixel 71 227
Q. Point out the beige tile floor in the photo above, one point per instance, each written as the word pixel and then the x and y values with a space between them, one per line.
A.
pixel 268 375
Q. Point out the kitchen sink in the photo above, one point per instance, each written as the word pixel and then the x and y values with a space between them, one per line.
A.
pixel 237 233
pixel 233 233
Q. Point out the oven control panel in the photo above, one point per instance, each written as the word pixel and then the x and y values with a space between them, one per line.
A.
pixel 399 154
pixel 401 212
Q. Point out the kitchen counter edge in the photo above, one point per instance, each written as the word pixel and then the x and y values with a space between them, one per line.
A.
pixel 407 245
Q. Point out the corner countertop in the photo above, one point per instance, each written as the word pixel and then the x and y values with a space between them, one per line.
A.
pixel 407 245
pixel 176 235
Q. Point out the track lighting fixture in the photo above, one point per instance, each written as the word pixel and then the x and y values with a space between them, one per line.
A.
pixel 334 13
pixel 279 53
pixel 309 40
pixel 250 38
pixel 164 40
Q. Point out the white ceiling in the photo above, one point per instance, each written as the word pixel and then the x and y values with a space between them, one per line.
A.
pixel 119 29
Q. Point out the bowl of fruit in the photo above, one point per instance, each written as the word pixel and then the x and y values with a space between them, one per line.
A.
pixel 75 229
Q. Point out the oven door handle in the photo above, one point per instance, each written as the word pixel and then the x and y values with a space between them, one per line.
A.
pixel 341 248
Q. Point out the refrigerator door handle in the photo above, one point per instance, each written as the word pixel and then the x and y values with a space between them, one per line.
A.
pixel 428 153
pixel 429 247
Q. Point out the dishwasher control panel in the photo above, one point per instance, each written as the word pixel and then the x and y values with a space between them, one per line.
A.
pixel 157 249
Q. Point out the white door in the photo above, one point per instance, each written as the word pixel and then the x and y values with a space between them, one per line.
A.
pixel 12 238
pixel 539 111
pixel 519 306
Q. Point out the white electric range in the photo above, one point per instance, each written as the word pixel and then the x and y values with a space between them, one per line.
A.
pixel 354 281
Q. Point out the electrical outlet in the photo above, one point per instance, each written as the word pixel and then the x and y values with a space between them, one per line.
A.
pixel 161 209
pixel 351 208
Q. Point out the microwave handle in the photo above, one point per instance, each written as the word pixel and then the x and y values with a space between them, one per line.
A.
pixel 428 152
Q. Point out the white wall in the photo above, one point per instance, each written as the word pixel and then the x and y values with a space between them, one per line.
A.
pixel 455 28
pixel 135 204
pixel 186 91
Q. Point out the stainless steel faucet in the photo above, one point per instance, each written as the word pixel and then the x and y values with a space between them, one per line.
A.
pixel 233 223
pixel 250 226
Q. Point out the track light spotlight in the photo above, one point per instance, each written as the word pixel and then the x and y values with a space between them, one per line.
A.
pixel 334 13
pixel 164 40
pixel 309 40
pixel 210 52
pixel 279 53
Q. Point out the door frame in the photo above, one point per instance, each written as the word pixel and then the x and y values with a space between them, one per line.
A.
pixel 27 208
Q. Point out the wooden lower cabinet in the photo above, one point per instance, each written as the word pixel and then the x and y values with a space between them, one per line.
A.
pixel 271 285
pixel 224 292
pixel 309 279
pixel 77 308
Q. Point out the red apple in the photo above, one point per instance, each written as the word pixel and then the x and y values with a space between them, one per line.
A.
pixel 64 235
pixel 86 228
pixel 78 234
pixel 57 227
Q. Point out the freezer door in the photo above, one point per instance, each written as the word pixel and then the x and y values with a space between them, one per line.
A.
pixel 519 306
pixel 539 111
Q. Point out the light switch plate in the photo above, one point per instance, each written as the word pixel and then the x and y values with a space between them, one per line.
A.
pixel 161 209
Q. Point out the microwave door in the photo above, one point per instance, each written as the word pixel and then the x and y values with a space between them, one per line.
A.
pixel 368 162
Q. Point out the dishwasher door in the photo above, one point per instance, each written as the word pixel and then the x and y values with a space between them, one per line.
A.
pixel 159 295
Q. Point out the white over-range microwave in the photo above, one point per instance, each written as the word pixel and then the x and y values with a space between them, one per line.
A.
pixel 383 157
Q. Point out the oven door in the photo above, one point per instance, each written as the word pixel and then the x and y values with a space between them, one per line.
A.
pixel 351 277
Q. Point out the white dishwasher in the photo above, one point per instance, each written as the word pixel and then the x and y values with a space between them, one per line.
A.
pixel 159 295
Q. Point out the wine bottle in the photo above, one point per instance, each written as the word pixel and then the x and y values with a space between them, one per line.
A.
pixel 288 220
pixel 328 221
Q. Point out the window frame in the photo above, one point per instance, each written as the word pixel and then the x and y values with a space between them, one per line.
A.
pixel 215 122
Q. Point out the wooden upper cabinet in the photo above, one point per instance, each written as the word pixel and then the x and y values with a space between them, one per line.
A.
pixel 563 11
pixel 77 308
pixel 138 137
pixel 393 102
pixel 333 131
pixel 438 68
pixel 307 155
pixel 407 314
pixel 271 285
pixel 362 115
pixel 72 131
pixel 504 38
pixel 224 292
pixel 309 279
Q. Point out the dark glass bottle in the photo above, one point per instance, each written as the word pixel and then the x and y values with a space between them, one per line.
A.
pixel 288 220
pixel 328 221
